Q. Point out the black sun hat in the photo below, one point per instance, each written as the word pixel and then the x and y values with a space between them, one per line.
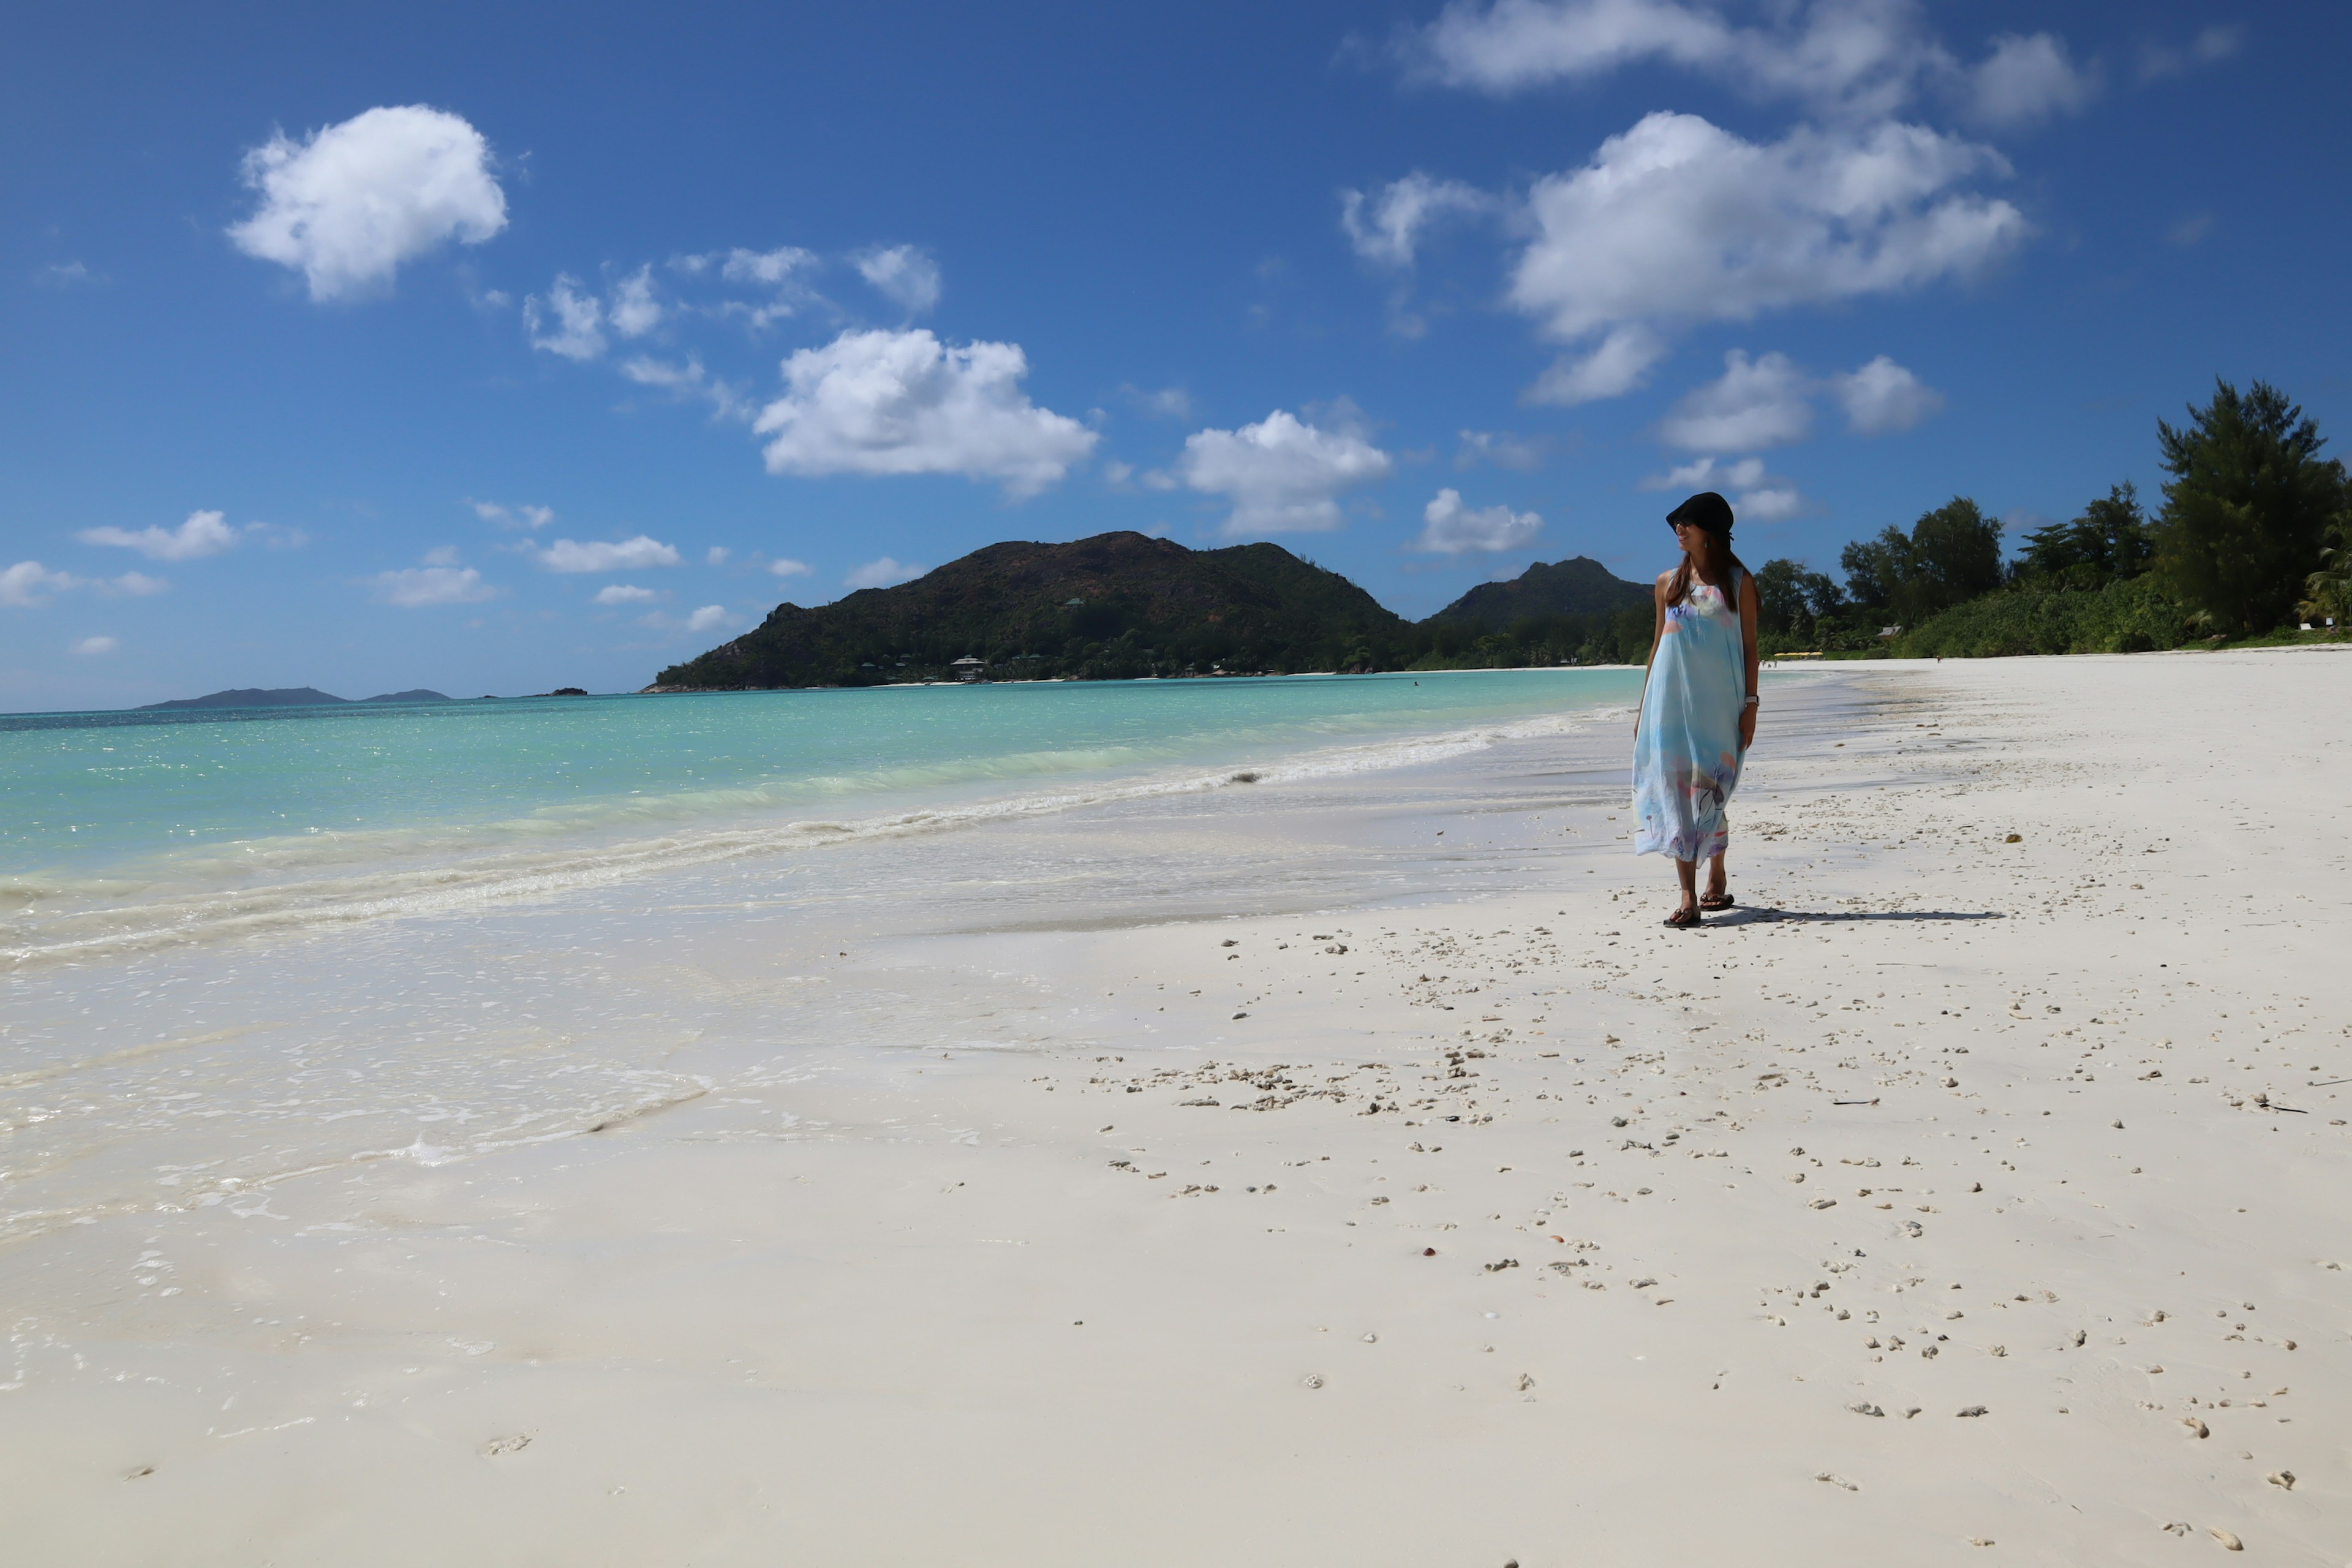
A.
pixel 1705 510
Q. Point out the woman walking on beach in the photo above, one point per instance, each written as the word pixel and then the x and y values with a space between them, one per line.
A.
pixel 1698 704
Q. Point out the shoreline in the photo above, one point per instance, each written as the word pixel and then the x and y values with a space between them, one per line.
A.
pixel 927 1247
pixel 282 885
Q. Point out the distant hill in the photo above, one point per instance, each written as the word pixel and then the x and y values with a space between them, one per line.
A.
pixel 1113 606
pixel 286 697
pixel 1579 586
pixel 253 697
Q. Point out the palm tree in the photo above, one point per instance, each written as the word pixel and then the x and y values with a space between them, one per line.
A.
pixel 2330 587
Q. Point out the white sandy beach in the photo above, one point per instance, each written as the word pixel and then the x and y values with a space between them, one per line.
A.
pixel 1308 1175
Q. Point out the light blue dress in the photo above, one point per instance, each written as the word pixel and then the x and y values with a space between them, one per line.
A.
pixel 1687 747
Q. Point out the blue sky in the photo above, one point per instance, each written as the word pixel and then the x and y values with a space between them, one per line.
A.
pixel 495 349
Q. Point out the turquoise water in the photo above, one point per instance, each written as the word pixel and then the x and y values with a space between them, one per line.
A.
pixel 125 811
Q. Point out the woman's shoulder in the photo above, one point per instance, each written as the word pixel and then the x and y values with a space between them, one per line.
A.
pixel 1665 581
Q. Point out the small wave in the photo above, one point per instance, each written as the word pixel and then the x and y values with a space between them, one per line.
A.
pixel 509 875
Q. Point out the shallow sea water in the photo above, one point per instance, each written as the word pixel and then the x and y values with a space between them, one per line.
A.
pixel 132 830
pixel 180 1036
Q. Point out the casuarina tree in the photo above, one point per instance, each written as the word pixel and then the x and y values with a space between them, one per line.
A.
pixel 1792 597
pixel 2108 543
pixel 2248 508
pixel 1951 554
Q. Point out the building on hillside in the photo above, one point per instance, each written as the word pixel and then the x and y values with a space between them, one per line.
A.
pixel 970 668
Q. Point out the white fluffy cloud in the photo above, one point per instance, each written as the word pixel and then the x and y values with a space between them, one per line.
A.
pixel 1386 225
pixel 635 310
pixel 1710 474
pixel 1755 404
pixel 348 205
pixel 687 380
pixel 597 555
pixel 1613 367
pixel 569 320
pixel 2025 80
pixel 1768 402
pixel 1833 53
pixel 1503 448
pixel 1281 474
pixel 1757 496
pixel 785 566
pixel 882 573
pixel 1770 503
pixel 905 403
pixel 1450 528
pixel 769 268
pixel 1679 220
pixel 780 272
pixel 1167 403
pixel 131 585
pixel 91 646
pixel 28 584
pixel 2158 61
pixel 416 587
pixel 708 618
pixel 624 593
pixel 1840 58
pixel 904 274
pixel 1882 396
pixel 497 515
pixel 204 533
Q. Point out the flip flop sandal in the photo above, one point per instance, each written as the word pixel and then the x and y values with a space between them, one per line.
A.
pixel 1683 919
pixel 1715 900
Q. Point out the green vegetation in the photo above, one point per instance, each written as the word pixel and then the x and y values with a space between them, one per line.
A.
pixel 2330 587
pixel 2130 616
pixel 2249 504
pixel 1614 636
pixel 1120 606
pixel 1951 555
pixel 2110 543
pixel 2255 528
pixel 1116 606
pixel 1566 612
pixel 1579 586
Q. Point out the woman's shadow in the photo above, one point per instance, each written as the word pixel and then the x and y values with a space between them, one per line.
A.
pixel 1760 914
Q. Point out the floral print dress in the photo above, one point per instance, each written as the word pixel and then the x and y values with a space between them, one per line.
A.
pixel 1686 748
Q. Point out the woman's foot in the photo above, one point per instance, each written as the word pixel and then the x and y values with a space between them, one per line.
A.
pixel 1684 918
pixel 1716 898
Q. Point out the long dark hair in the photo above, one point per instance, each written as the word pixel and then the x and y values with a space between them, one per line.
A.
pixel 1711 512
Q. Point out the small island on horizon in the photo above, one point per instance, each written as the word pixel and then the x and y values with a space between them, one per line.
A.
pixel 311 696
pixel 287 696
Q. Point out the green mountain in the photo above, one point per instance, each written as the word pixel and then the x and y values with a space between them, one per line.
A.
pixel 1580 586
pixel 1116 606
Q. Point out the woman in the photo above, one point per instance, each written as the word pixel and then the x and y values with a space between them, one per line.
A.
pixel 1698 704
